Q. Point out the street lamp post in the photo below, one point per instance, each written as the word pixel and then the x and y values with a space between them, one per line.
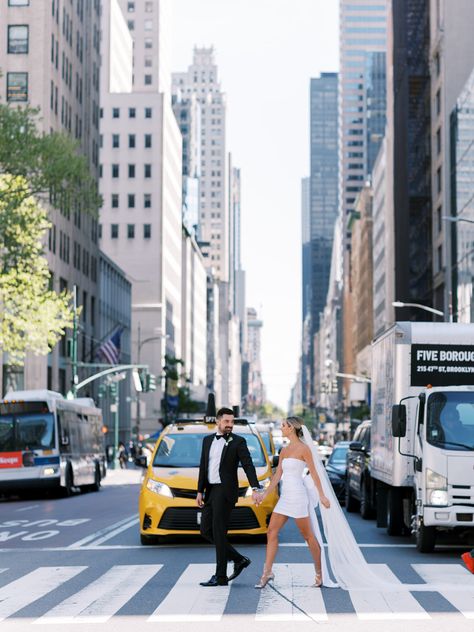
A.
pixel 139 349
pixel 419 306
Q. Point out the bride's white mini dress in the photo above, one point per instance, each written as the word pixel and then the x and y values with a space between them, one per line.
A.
pixel 293 500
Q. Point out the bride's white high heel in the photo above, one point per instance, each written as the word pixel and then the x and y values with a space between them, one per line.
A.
pixel 265 578
pixel 318 580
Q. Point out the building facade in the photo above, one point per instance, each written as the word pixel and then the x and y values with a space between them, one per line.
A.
pixel 50 60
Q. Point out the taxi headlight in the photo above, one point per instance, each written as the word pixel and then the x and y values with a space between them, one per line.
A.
pixel 264 483
pixel 159 488
pixel 436 488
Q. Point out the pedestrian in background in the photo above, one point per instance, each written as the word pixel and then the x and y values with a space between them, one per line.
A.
pixel 122 455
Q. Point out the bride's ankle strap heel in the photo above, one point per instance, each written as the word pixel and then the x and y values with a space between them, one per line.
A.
pixel 318 580
pixel 265 578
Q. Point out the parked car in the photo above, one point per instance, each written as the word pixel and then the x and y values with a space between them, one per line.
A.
pixel 324 451
pixel 336 467
pixel 359 482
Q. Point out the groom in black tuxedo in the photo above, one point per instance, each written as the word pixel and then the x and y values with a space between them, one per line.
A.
pixel 218 491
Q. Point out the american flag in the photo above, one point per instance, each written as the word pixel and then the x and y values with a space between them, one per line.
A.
pixel 109 351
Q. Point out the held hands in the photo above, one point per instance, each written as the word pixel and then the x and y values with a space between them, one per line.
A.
pixel 199 500
pixel 258 497
pixel 325 502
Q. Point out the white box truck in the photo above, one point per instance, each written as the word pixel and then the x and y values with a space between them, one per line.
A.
pixel 422 440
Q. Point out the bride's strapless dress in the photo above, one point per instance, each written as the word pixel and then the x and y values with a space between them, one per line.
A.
pixel 293 500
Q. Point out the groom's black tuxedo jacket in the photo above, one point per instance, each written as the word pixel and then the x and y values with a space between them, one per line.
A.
pixel 235 452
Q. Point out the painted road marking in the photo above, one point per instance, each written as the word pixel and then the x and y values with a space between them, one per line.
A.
pixel 296 599
pixel 102 532
pixel 456 576
pixel 115 532
pixel 188 601
pixel 101 599
pixel 24 591
pixel 373 605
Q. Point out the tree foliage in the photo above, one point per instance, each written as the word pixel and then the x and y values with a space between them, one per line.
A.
pixel 50 164
pixel 32 317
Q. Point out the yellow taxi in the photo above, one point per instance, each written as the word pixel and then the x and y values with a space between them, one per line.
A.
pixel 167 504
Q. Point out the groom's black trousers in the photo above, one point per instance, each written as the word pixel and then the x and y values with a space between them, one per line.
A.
pixel 215 521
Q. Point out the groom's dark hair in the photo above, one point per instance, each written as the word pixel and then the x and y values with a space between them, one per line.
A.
pixel 224 411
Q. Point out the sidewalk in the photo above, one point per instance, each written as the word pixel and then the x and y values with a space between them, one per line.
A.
pixel 130 476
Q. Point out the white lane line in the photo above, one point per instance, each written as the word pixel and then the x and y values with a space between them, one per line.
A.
pixel 94 536
pixel 101 599
pixel 294 581
pixel 372 605
pixel 361 546
pixel 21 592
pixel 115 532
pixel 188 601
pixel 455 575
pixel 27 508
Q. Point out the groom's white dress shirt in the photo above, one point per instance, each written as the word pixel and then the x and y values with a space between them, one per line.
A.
pixel 215 454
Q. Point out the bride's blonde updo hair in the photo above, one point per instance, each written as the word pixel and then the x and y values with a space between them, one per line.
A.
pixel 297 424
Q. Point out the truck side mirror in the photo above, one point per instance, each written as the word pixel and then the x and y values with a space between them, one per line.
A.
pixel 399 420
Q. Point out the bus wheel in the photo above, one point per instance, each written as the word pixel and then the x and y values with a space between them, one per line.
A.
pixel 69 482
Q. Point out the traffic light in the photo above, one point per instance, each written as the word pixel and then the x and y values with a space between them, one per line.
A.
pixel 150 382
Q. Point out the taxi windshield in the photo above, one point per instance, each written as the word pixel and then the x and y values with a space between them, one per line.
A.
pixel 184 450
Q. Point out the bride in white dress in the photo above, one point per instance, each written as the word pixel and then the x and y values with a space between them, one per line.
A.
pixel 294 499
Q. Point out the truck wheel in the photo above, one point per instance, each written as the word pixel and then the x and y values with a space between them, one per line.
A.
pixel 394 513
pixel 425 538
pixel 366 510
pixel 352 505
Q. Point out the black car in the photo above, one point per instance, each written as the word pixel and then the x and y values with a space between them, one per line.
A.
pixel 336 469
pixel 359 485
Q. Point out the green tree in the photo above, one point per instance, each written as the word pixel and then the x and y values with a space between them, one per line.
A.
pixel 32 317
pixel 50 164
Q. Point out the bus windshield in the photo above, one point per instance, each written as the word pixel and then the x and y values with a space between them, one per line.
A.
pixel 450 420
pixel 26 432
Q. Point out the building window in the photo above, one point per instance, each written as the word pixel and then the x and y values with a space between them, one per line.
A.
pixel 18 3
pixel 131 171
pixel 130 7
pixel 115 112
pixel 100 231
pixel 17 86
pixel 148 80
pixel 115 200
pixel 115 171
pixel 131 25
pixel 147 171
pixel 18 39
pixel 148 112
pixel 146 231
pixel 148 42
pixel 437 63
pixel 439 181
pixel 438 141
pixel 148 62
pixel 438 102
pixel 131 231
pixel 439 219
pixel 440 258
pixel 131 141
pixel 131 200
pixel 114 231
pixel 115 141
pixel 147 200
pixel 148 7
pixel 131 112
pixel 147 141
pixel 148 25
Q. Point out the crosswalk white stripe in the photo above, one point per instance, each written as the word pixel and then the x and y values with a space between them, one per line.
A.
pixel 188 601
pixel 101 599
pixel 456 576
pixel 24 591
pixel 301 602
pixel 393 605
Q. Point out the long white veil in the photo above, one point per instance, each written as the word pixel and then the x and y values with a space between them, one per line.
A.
pixel 345 560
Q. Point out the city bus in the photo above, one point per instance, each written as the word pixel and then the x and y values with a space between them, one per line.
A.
pixel 51 443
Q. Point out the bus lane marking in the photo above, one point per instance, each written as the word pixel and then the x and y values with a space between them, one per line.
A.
pixel 103 532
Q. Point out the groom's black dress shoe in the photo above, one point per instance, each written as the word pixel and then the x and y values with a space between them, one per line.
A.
pixel 215 581
pixel 239 567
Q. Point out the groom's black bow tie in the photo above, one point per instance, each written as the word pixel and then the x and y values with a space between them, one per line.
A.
pixel 221 436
